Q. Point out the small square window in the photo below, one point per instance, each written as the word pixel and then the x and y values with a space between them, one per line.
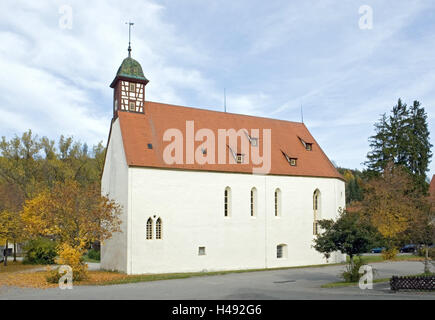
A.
pixel 293 162
pixel 201 251
pixel 150 145
pixel 309 146
pixel 239 158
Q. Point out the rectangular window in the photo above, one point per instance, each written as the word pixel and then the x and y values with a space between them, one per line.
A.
pixel 293 162
pixel 309 146
pixel 132 106
pixel 132 87
pixel 279 254
pixel 239 158
pixel 201 251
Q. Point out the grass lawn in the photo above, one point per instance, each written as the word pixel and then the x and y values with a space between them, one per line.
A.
pixel 12 277
pixel 16 267
pixel 406 257
pixel 87 259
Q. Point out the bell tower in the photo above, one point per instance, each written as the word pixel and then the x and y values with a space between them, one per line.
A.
pixel 129 85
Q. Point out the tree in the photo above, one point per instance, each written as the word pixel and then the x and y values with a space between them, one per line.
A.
pixel 422 231
pixel 10 229
pixel 72 214
pixel 354 183
pixel 390 203
pixel 403 139
pixel 349 234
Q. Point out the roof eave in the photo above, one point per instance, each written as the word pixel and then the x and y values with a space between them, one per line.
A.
pixel 128 78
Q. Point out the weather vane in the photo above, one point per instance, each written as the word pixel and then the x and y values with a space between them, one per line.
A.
pixel 129 37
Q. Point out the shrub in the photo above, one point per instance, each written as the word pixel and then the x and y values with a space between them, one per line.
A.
pixel 94 254
pixel 40 251
pixel 351 274
pixel 389 254
pixel 72 257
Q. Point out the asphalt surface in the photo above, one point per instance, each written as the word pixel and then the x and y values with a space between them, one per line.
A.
pixel 301 283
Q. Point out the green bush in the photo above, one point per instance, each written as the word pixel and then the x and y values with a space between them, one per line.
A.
pixel 40 251
pixel 351 274
pixel 94 254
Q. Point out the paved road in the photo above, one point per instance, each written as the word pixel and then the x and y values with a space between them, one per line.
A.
pixel 301 283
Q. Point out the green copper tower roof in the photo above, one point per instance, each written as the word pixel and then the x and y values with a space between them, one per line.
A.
pixel 130 68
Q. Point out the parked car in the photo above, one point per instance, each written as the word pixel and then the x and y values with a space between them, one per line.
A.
pixel 409 248
pixel 377 250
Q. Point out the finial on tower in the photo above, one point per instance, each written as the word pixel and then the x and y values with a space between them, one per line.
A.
pixel 129 37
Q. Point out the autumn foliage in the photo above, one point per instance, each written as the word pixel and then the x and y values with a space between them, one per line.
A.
pixel 71 214
pixel 74 217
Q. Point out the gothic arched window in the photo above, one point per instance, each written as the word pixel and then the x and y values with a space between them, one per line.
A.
pixel 227 202
pixel 277 202
pixel 316 210
pixel 253 202
pixel 149 229
pixel 159 228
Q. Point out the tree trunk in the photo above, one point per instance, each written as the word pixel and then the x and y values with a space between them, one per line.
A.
pixel 15 251
pixel 6 254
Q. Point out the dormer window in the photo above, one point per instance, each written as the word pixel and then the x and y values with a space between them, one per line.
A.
pixel 291 160
pixel 239 158
pixel 252 140
pixel 307 145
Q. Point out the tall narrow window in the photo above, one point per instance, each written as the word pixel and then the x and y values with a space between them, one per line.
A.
pixel 316 211
pixel 227 202
pixel 159 228
pixel 253 202
pixel 149 229
pixel 277 202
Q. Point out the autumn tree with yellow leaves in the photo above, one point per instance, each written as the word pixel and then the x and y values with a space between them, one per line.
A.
pixel 72 215
pixel 391 204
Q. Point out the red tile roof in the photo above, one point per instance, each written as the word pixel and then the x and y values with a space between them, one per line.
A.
pixel 138 130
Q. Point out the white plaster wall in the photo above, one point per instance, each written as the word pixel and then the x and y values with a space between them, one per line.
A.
pixel 191 206
pixel 114 183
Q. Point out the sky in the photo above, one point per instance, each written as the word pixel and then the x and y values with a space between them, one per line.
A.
pixel 58 58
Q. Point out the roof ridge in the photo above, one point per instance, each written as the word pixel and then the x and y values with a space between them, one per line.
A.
pixel 230 113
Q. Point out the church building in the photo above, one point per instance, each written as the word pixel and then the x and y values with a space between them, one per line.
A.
pixel 203 190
